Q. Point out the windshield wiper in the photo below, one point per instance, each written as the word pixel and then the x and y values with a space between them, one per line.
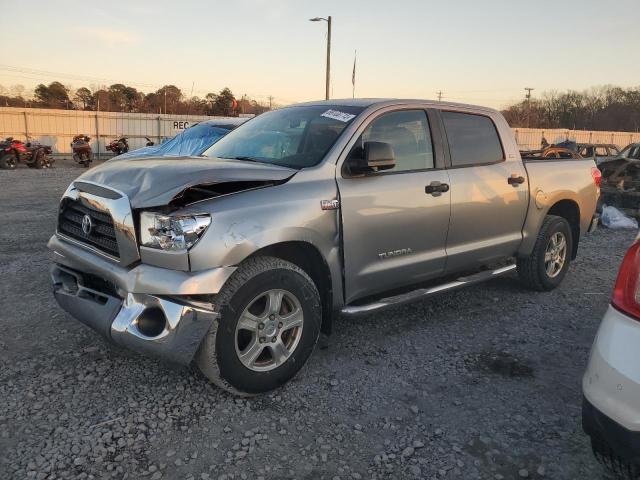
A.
pixel 245 158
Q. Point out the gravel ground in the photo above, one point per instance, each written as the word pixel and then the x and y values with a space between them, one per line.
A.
pixel 479 383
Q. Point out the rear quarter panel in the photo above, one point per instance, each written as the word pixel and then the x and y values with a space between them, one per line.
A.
pixel 551 181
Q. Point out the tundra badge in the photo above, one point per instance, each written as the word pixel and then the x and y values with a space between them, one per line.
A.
pixel 395 253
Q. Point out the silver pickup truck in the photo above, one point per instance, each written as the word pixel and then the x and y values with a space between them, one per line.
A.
pixel 240 258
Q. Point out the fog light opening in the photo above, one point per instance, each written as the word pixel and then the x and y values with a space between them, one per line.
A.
pixel 151 322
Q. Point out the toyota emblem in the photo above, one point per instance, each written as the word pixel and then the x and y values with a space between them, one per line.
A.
pixel 87 225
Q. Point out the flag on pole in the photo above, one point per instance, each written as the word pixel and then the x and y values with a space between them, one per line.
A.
pixel 353 75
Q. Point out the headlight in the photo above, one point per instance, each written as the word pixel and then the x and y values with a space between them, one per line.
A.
pixel 172 232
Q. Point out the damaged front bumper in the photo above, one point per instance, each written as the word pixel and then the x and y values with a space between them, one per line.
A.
pixel 145 308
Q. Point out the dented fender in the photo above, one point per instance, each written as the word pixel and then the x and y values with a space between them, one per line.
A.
pixel 244 223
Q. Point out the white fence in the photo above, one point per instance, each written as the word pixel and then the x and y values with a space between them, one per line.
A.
pixel 58 127
pixel 530 138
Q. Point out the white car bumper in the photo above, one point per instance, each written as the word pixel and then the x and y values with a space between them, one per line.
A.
pixel 612 380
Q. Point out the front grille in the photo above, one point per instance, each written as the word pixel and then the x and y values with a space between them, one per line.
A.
pixel 102 235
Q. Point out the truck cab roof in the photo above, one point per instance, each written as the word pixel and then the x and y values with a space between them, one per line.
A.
pixel 383 102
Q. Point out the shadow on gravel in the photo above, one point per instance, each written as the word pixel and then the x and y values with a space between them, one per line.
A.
pixel 503 363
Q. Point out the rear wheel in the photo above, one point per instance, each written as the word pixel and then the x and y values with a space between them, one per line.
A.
pixel 549 261
pixel 269 323
pixel 8 161
pixel 41 161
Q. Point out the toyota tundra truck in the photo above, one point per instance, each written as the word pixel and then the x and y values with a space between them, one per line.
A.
pixel 239 258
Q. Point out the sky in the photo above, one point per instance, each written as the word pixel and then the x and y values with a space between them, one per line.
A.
pixel 474 51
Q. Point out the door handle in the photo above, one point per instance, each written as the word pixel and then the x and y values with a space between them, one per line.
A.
pixel 515 179
pixel 436 188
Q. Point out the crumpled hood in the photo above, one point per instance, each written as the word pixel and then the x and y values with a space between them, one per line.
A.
pixel 152 182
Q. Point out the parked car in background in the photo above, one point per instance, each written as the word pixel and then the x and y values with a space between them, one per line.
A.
pixel 192 141
pixel 611 384
pixel 597 151
pixel 630 152
pixel 621 180
pixel 552 151
pixel 240 257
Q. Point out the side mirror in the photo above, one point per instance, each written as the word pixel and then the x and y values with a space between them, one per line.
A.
pixel 372 157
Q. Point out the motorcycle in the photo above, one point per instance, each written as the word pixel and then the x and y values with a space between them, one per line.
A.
pixel 82 153
pixel 119 146
pixel 33 154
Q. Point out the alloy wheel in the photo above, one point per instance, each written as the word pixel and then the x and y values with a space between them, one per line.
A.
pixel 555 254
pixel 269 330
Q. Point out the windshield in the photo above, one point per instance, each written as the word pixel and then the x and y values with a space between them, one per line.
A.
pixel 294 137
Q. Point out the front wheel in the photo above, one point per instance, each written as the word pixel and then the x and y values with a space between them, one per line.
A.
pixel 548 263
pixel 8 161
pixel 269 323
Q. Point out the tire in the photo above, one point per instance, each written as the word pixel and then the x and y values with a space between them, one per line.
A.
pixel 533 270
pixel 619 467
pixel 219 355
pixel 8 161
pixel 40 161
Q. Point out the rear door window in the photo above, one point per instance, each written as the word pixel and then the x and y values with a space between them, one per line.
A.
pixel 473 139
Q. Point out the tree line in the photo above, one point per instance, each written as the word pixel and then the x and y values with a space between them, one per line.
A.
pixel 122 98
pixel 607 108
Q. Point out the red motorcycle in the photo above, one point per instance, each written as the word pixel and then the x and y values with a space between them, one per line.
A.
pixel 82 152
pixel 33 154
pixel 119 146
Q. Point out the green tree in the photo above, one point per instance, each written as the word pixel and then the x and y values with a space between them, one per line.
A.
pixel 55 95
pixel 169 98
pixel 224 103
pixel 83 96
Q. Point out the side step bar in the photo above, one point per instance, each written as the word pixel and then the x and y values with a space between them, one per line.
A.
pixel 381 304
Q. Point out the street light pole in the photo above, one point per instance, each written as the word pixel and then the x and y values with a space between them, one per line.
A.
pixel 328 79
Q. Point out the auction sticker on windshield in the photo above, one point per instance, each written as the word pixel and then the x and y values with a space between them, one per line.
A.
pixel 338 115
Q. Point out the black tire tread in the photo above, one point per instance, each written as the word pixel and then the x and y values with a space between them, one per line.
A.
pixel 621 468
pixel 4 164
pixel 206 355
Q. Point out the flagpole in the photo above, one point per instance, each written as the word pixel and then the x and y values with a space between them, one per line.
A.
pixel 353 75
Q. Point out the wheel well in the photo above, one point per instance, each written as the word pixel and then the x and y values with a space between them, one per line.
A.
pixel 569 210
pixel 308 258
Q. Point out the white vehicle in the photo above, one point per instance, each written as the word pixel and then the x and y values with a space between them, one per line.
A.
pixel 611 384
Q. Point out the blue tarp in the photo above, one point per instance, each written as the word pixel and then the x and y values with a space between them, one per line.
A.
pixel 193 141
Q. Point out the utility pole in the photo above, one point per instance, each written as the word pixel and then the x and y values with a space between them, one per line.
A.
pixel 328 56
pixel 328 79
pixel 439 93
pixel 528 97
pixel 270 101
